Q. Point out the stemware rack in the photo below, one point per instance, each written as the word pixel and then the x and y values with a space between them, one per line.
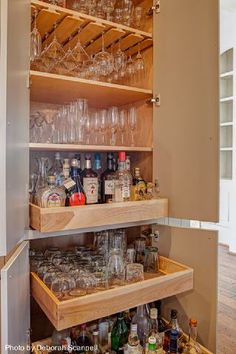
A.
pixel 173 278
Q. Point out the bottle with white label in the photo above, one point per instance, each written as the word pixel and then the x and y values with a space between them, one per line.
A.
pixel 125 178
pixel 90 182
pixel 107 180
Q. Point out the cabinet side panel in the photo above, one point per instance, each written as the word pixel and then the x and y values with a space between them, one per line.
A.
pixel 186 123
pixel 14 102
pixel 197 249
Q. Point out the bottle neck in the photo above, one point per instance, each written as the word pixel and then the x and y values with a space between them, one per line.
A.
pixel 174 323
pixel 122 166
pixel 193 333
pixel 95 339
pixel 74 171
pixel 110 164
pixel 88 164
pixel 154 323
pixel 97 165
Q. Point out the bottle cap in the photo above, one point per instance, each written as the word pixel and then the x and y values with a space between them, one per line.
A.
pixel 174 314
pixel 74 163
pixel 153 313
pixel 87 157
pixel 122 156
pixel 193 322
pixel 152 340
pixel 66 161
pixel 95 332
pixel 97 156
pixel 134 327
pixel 57 156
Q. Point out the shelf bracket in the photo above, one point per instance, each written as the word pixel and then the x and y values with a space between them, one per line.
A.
pixel 155 100
pixel 155 8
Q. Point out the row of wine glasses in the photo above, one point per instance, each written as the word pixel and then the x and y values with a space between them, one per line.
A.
pixel 76 124
pixel 120 11
pixel 111 66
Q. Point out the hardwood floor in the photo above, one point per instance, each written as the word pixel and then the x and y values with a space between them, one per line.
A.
pixel 227 302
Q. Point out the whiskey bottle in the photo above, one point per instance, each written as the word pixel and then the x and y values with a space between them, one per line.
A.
pixel 133 346
pixel 123 183
pixel 173 324
pixel 139 186
pixel 98 170
pixel 154 331
pixel 51 196
pixel 90 182
pixel 107 181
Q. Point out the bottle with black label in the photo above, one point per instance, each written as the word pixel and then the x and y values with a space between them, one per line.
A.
pixel 107 180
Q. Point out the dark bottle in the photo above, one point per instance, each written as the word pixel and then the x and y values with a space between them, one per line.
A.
pixel 119 334
pixel 75 192
pixel 83 340
pixel 90 182
pixel 161 323
pixel 77 157
pixel 98 170
pixel 107 180
pixel 173 347
pixel 173 324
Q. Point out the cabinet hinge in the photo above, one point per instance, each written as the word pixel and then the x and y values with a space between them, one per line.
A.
pixel 28 336
pixel 155 100
pixel 155 8
pixel 29 82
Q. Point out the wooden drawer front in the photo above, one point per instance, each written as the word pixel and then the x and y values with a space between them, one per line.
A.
pixel 69 218
pixel 174 278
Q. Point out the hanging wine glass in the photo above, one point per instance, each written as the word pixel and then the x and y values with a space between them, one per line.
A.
pixel 130 70
pixel 104 60
pixel 36 41
pixel 69 61
pixel 139 67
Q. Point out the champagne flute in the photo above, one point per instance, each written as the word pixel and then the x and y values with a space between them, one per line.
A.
pixel 122 124
pixel 113 115
pixel 132 120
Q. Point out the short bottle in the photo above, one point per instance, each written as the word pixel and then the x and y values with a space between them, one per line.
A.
pixel 51 196
pixel 133 346
pixel 154 331
pixel 192 346
pixel 75 192
pixel 108 181
pixel 119 334
pixel 152 345
pixel 90 182
pixel 139 187
pixel 123 180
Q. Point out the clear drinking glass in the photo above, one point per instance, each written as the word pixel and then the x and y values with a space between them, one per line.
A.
pixel 151 263
pixel 113 118
pixel 123 119
pixel 132 121
pixel 134 272
pixel 115 268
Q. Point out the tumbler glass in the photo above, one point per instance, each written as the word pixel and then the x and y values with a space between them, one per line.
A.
pixel 151 263
pixel 115 268
pixel 134 272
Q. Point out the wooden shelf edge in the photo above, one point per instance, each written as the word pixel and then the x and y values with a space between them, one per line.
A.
pixel 75 147
pixel 90 18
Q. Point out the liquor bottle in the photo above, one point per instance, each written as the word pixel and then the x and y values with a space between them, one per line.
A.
pixel 192 346
pixel 75 192
pixel 173 346
pixel 119 334
pixel 123 184
pixel 173 324
pixel 78 158
pixel 83 340
pixel 139 187
pixel 154 331
pixel 74 334
pixel 90 182
pixel 133 346
pixel 66 168
pixel 141 318
pixel 98 170
pixel 57 169
pixel 152 345
pixel 108 181
pixel 128 319
pixel 51 196
pixel 161 323
pixel 96 347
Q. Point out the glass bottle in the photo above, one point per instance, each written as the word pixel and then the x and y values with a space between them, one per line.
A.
pixel 154 331
pixel 51 196
pixel 143 322
pixel 139 187
pixel 173 324
pixel 83 340
pixel 98 170
pixel 96 347
pixel 42 175
pixel 119 334
pixel 90 182
pixel 161 323
pixel 152 345
pixel 124 180
pixel 66 168
pixel 62 340
pixel 108 181
pixel 78 158
pixel 133 346
pixel 75 192
pixel 192 347
pixel 173 343
pixel 57 169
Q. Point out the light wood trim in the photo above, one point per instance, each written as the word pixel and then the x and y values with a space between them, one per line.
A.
pixel 108 24
pixel 64 314
pixel 64 89
pixel 74 147
pixel 110 37
pixel 46 19
pixel 69 218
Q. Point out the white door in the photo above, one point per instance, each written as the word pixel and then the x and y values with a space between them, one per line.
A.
pixel 197 249
pixel 186 151
pixel 15 302
pixel 14 118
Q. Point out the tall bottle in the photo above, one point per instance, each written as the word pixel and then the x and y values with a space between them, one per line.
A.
pixel 78 158
pixel 75 192
pixel 108 180
pixel 173 343
pixel 173 324
pixel 83 340
pixel 90 182
pixel 143 322
pixel 133 346
pixel 123 183
pixel 119 334
pixel 154 331
pixel 96 347
pixel 57 169
pixel 66 168
pixel 193 346
pixel 98 170
pixel 161 323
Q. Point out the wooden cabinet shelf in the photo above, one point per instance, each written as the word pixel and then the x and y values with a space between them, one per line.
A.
pixel 69 22
pixel 81 217
pixel 173 278
pixel 75 147
pixel 64 89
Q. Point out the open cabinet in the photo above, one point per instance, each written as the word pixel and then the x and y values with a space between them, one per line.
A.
pixel 176 143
